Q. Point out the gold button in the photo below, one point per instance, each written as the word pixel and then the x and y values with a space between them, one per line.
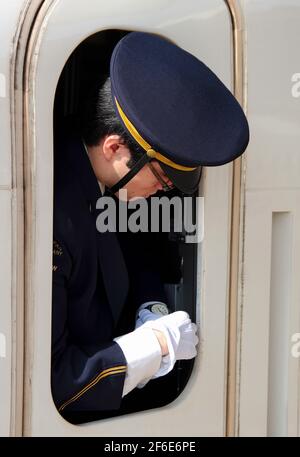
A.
pixel 151 153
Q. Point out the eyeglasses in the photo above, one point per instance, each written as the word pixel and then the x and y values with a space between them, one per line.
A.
pixel 164 184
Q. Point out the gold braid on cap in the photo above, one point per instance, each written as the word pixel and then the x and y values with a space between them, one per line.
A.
pixel 146 146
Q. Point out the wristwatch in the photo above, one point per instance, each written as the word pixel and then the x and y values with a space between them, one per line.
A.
pixel 158 308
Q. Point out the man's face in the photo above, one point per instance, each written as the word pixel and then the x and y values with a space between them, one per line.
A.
pixel 110 163
pixel 146 182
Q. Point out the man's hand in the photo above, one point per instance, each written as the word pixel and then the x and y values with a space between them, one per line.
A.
pixel 178 331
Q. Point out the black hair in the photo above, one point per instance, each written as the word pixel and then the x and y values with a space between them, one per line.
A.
pixel 99 119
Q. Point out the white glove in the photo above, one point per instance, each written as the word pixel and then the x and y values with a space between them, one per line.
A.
pixel 180 334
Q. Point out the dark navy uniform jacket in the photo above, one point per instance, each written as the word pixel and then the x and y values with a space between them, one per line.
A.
pixel 88 367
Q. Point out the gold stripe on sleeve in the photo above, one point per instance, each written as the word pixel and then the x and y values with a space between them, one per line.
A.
pixel 99 377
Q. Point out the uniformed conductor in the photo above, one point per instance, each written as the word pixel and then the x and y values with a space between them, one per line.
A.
pixel 160 116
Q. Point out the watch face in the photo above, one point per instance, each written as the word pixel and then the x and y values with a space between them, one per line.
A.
pixel 159 308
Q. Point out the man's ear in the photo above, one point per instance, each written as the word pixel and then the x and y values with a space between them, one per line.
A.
pixel 111 145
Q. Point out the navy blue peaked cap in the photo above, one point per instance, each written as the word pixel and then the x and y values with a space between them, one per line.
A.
pixel 175 107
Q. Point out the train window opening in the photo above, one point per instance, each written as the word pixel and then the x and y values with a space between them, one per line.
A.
pixel 176 258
